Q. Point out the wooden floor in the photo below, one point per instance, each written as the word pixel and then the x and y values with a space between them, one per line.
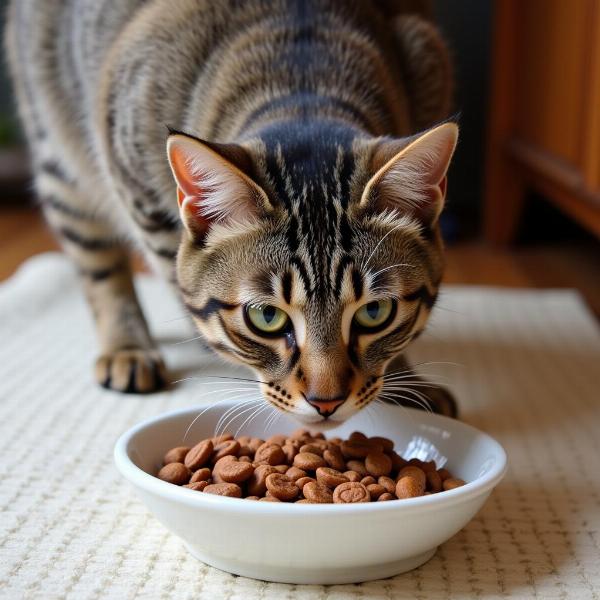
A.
pixel 573 265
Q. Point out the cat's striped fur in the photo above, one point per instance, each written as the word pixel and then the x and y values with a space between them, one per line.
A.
pixel 305 193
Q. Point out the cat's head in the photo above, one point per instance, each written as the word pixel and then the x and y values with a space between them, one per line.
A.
pixel 314 263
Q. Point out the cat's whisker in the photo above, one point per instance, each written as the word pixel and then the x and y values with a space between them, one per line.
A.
pixel 223 377
pixel 397 401
pixel 420 399
pixel 363 267
pixel 223 418
pixel 198 337
pixel 391 267
pixel 242 409
pixel 247 420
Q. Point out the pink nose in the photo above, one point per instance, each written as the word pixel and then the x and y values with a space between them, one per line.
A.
pixel 324 406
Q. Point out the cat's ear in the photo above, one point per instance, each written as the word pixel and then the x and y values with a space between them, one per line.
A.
pixel 211 183
pixel 410 175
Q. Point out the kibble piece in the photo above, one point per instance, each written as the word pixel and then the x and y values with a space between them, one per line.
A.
pixel 269 454
pixel 368 480
pixel 386 496
pixel 199 455
pixel 282 487
pixel 350 493
pixel 197 486
pixel 303 501
pixel 352 475
pixel 317 493
pixel 378 464
pixel 358 435
pixel 227 448
pixel 434 481
pixel 385 443
pixel 444 474
pixel 452 483
pixel 219 439
pixel 397 461
pixel 269 499
pixel 375 490
pixel 355 449
pixel 388 483
pixel 358 466
pixel 300 434
pixel 247 459
pixel 176 455
pixel 409 487
pixel 307 461
pixel 278 439
pixel 257 484
pixel 236 472
pixel 330 477
pixel 415 473
pixel 251 498
pixel 224 489
pixel 334 458
pixel 245 451
pixel 255 444
pixel 290 451
pixel 312 448
pixel 201 475
pixel 300 483
pixel 176 473
pixel 294 473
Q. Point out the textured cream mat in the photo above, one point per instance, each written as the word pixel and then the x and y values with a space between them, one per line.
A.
pixel 528 373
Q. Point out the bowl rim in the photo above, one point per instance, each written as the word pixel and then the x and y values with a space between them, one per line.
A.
pixel 150 483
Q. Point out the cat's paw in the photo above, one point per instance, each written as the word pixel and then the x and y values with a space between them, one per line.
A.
pixel 131 371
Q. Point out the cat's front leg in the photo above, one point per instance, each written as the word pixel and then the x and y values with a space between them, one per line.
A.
pixel 129 360
pixel 407 388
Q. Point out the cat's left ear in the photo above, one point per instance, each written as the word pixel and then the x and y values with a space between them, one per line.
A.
pixel 211 183
pixel 410 175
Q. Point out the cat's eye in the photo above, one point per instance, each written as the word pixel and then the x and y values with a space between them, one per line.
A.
pixel 267 319
pixel 374 314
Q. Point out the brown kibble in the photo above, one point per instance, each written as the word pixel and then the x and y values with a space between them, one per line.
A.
pixel 176 473
pixel 385 443
pixel 227 448
pixel 353 476
pixel 246 459
pixel 294 473
pixel 334 458
pixel 452 483
pixel 351 492
pixel 317 493
pixel 330 477
pixel 277 439
pixel 397 461
pixel 388 483
pixel 312 448
pixel 269 454
pixel 197 486
pixel 415 473
pixel 386 496
pixel 281 468
pixel 308 461
pixel 409 487
pixel 257 484
pixel 444 474
pixel 176 455
pixel 300 483
pixel 356 449
pixel 434 481
pixel 300 434
pixel 251 498
pixel 255 444
pixel 199 455
pixel 269 499
pixel 290 452
pixel 235 471
pixel 368 480
pixel 201 475
pixel 224 489
pixel 303 501
pixel 282 487
pixel 378 464
pixel 375 490
pixel 336 441
pixel 219 439
pixel 358 436
pixel 245 451
pixel 358 466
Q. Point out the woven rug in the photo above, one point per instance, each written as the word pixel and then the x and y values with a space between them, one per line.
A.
pixel 525 366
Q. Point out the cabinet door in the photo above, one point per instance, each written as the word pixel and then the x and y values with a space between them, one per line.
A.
pixel 553 40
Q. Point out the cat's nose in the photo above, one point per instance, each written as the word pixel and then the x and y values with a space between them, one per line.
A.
pixel 326 406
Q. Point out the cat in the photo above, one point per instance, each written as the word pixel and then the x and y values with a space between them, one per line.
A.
pixel 295 208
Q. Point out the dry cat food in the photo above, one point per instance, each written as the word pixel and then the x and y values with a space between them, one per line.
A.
pixel 304 467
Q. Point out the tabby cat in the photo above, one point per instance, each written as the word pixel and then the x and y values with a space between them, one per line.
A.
pixel 295 208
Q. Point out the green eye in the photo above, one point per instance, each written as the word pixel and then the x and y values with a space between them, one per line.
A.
pixel 267 319
pixel 374 314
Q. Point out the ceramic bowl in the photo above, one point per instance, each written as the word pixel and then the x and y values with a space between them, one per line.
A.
pixel 320 543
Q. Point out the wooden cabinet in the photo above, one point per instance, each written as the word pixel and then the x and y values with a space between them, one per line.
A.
pixel 544 119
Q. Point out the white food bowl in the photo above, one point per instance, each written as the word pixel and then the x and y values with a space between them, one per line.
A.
pixel 316 543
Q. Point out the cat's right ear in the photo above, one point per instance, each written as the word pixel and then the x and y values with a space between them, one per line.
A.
pixel 211 186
